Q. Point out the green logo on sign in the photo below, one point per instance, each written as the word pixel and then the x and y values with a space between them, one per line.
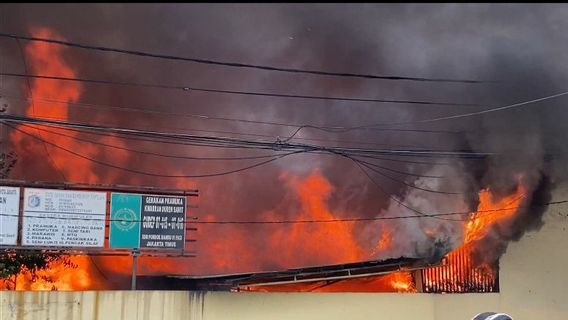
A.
pixel 125 219
pixel 125 216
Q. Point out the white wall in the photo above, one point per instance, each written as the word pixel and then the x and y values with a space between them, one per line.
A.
pixel 534 285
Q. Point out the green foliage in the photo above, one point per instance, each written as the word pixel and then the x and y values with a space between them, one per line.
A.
pixel 13 263
pixel 7 162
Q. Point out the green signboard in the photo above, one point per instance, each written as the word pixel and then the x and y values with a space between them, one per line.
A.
pixel 125 215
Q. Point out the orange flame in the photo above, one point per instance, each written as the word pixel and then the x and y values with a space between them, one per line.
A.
pixel 289 245
pixel 394 282
pixel 57 277
pixel 461 272
pixel 47 59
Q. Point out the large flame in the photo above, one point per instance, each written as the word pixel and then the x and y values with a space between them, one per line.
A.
pixel 327 243
pixel 47 59
pixel 76 274
pixel 467 267
pixel 285 246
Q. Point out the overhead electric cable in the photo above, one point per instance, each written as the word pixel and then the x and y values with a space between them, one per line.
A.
pixel 224 141
pixel 150 153
pixel 333 129
pixel 155 174
pixel 237 92
pixel 312 221
pixel 406 183
pixel 233 64
pixel 157 154
pixel 431 120
pixel 393 198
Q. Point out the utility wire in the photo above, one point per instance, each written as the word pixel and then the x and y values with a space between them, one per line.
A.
pixel 431 120
pixel 468 114
pixel 236 92
pixel 155 174
pixel 234 64
pixel 311 221
pixel 398 171
pixel 405 183
pixel 160 141
pixel 224 141
pixel 438 163
pixel 125 109
pixel 208 117
pixel 208 158
pixel 511 106
pixel 157 154
pixel 358 164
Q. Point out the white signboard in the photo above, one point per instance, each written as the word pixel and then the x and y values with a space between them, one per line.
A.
pixel 64 218
pixel 9 208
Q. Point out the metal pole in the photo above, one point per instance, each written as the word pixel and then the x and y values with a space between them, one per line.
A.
pixel 135 254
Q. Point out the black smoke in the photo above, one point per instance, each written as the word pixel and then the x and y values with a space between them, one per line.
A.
pixel 520 47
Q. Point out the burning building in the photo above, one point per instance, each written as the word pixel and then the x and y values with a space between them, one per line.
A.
pixel 490 200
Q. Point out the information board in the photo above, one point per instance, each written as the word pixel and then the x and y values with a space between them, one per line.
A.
pixel 9 210
pixel 147 221
pixel 64 218
pixel 163 222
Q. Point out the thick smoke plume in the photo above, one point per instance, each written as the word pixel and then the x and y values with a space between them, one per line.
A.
pixel 519 47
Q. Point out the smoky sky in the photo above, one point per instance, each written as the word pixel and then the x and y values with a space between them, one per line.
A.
pixel 521 49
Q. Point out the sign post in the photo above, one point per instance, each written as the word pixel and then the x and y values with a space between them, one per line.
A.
pixel 135 254
pixel 140 221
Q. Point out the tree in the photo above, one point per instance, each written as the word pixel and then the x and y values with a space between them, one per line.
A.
pixel 14 263
pixel 7 162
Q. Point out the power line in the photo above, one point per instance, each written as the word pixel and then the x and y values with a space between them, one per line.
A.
pixel 398 171
pixel 405 183
pixel 334 129
pixel 431 120
pixel 156 140
pixel 469 114
pixel 208 158
pixel 240 143
pixel 368 165
pixel 310 221
pixel 236 92
pixel 106 164
pixel 235 64
pixel 157 154
pixel 384 191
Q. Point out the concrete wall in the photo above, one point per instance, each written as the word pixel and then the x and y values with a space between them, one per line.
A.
pixel 534 285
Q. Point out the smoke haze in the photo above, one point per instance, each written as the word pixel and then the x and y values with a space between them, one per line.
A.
pixel 520 47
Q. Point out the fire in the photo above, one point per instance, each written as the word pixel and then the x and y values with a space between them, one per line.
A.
pixel 481 221
pixel 463 270
pixel 59 276
pixel 317 243
pixel 325 244
pixel 394 282
pixel 384 242
pixel 47 59
pixel 237 247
